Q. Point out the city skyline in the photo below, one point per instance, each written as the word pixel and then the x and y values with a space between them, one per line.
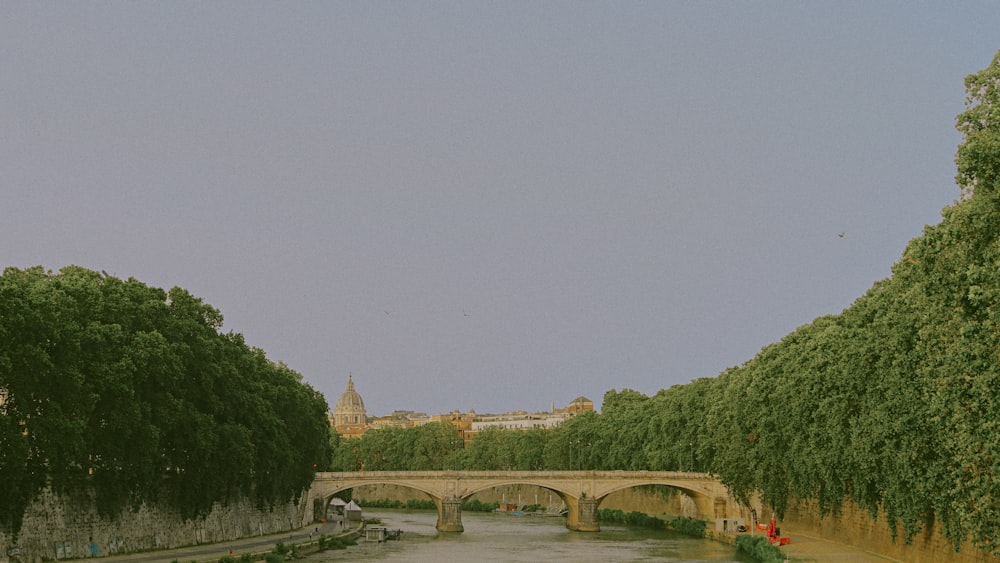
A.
pixel 485 205
pixel 552 407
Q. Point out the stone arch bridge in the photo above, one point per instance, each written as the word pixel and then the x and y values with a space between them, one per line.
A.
pixel 582 491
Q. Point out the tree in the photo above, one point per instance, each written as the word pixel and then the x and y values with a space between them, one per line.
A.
pixel 978 157
pixel 111 385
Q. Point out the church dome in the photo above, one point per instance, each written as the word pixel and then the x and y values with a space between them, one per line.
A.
pixel 350 407
pixel 350 400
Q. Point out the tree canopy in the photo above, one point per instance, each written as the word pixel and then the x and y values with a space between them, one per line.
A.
pixel 123 389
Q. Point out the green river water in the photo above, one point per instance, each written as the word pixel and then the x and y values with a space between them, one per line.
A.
pixel 512 538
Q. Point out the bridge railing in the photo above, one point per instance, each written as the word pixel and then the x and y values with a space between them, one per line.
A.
pixel 618 474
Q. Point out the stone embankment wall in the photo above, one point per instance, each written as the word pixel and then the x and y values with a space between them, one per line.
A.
pixel 60 528
pixel 854 526
pixel 649 500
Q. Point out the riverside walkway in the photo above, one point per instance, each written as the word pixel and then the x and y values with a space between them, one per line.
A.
pixel 213 552
pixel 805 548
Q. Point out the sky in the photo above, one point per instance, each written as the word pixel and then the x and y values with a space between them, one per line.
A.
pixel 487 205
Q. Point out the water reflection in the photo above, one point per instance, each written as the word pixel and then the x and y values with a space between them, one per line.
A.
pixel 516 539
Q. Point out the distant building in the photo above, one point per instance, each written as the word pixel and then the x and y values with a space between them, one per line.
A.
pixel 580 405
pixel 520 420
pixel 400 419
pixel 349 418
pixel 461 422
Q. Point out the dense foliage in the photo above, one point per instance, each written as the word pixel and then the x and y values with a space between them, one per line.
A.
pixel 128 391
pixel 633 432
pixel 433 446
pixel 759 548
pixel 635 519
pixel 689 527
pixel 894 403
pixel 411 504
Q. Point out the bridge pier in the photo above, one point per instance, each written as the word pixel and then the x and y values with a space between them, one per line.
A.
pixel 581 514
pixel 587 521
pixel 450 515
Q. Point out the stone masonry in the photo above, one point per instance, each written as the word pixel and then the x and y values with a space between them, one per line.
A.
pixel 59 528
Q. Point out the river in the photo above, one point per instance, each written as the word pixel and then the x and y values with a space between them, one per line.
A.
pixel 515 539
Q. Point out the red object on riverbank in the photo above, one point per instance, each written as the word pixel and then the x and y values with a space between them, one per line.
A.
pixel 772 534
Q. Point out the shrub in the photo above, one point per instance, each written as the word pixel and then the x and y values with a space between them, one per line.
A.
pixel 379 503
pixel 421 504
pixel 339 543
pixel 632 519
pixel 476 505
pixel 759 548
pixel 413 503
pixel 689 526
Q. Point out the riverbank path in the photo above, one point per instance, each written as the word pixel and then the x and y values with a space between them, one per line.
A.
pixel 808 549
pixel 214 552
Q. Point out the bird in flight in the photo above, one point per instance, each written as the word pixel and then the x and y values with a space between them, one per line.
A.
pixel 841 234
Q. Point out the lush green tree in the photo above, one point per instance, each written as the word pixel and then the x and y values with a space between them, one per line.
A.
pixel 529 451
pixel 347 455
pixel 978 157
pixel 111 385
pixel 621 435
pixel 433 446
pixel 893 401
pixel 676 434
pixel 567 444
pixel 491 450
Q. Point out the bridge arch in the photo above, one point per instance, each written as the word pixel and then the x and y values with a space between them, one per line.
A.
pixel 577 499
pixel 704 503
pixel 466 494
pixel 564 494
pixel 329 492
pixel 329 489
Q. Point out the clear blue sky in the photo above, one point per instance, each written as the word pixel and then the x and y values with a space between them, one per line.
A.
pixel 487 205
